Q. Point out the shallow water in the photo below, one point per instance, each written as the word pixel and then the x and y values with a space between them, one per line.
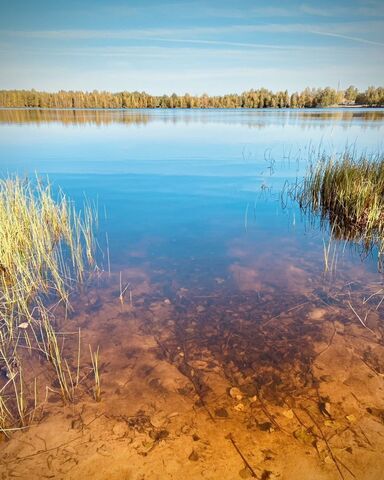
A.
pixel 227 280
pixel 186 188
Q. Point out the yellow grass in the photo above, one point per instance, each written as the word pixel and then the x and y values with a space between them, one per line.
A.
pixel 96 373
pixel 45 247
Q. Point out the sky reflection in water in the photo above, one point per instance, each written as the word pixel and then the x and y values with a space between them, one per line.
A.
pixel 185 191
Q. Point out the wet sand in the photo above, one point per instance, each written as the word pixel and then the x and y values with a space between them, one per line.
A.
pixel 245 382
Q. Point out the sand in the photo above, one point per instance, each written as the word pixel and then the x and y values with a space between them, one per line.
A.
pixel 196 389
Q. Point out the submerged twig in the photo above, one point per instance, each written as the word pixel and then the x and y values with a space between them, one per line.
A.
pixel 246 463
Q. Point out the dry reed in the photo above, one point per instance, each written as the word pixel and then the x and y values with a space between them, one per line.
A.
pixel 45 248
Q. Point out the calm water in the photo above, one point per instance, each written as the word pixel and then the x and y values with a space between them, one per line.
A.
pixel 228 289
pixel 193 197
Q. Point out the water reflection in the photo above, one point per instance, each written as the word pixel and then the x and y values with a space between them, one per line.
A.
pixel 308 118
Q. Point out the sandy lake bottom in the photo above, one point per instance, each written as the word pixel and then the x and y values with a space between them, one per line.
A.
pixel 231 353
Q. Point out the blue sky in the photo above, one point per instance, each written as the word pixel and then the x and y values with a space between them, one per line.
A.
pixel 190 46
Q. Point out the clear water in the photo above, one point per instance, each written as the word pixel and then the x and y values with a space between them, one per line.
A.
pixel 194 193
pixel 228 281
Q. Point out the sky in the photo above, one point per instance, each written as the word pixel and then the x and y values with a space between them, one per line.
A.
pixel 214 47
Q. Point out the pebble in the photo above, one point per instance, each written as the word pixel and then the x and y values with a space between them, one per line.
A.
pixel 245 473
pixel 185 429
pixel 221 412
pixel 240 407
pixel 194 456
pixel 200 364
pixel 266 427
pixel 288 414
pixel 76 424
pixel 173 414
pixel 317 314
pixel 235 393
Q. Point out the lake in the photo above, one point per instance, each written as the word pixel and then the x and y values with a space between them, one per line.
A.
pixel 179 184
pixel 224 286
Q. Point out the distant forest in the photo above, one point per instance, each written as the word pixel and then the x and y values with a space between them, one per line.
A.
pixel 261 98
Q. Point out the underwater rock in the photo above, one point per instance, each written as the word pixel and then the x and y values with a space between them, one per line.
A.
pixel 304 435
pixel 77 424
pixel 266 427
pixel 221 412
pixel 351 418
pixel 288 414
pixel 159 435
pixel 245 473
pixel 325 408
pixel 240 407
pixel 194 456
pixel 235 393
pixel 377 412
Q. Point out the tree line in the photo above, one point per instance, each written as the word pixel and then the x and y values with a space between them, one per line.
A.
pixel 261 98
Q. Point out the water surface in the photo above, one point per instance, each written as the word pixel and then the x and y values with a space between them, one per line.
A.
pixel 187 188
pixel 224 287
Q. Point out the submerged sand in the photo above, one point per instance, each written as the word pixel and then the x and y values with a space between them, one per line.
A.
pixel 227 385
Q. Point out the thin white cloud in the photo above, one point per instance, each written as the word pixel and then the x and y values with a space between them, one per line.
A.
pixel 158 56
pixel 374 10
pixel 347 37
pixel 192 80
pixel 344 28
pixel 226 43
pixel 237 49
pixel 255 12
pixel 196 9
pixel 305 9
pixel 201 10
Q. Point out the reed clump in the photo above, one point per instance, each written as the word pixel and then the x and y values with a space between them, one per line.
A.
pixel 347 192
pixel 46 246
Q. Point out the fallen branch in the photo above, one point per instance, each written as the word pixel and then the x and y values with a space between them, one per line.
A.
pixel 246 463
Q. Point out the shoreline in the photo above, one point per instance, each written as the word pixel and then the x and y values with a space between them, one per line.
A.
pixel 334 107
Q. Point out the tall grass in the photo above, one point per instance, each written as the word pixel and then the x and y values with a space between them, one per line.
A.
pixel 347 191
pixel 45 248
